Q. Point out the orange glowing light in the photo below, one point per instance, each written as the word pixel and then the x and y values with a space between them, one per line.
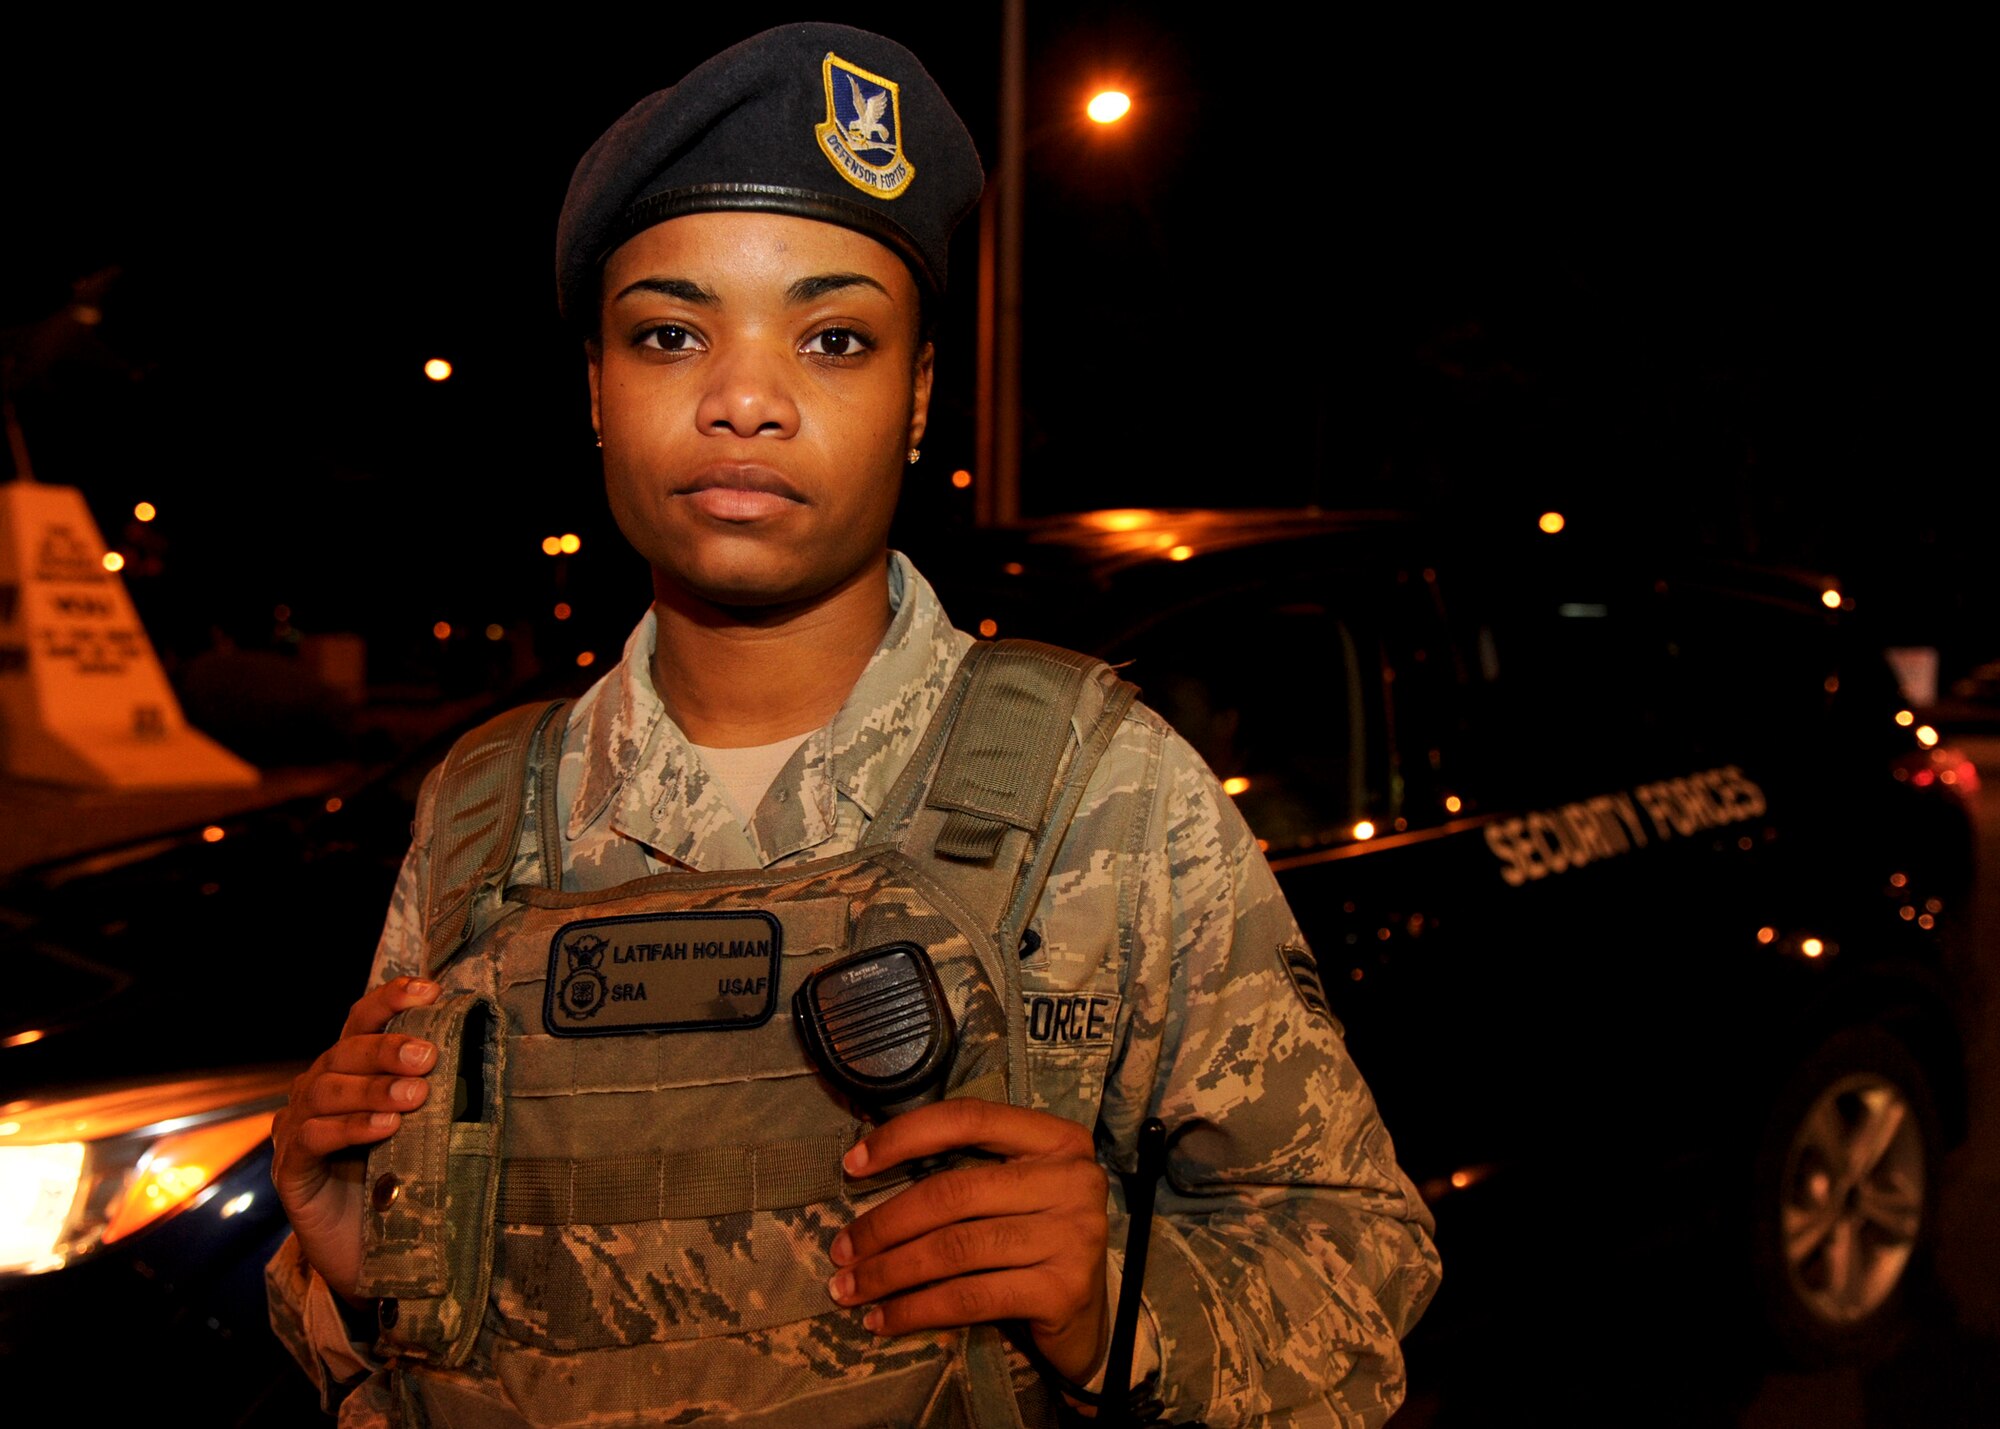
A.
pixel 562 610
pixel 1109 106
pixel 442 630
pixel 1364 830
pixel 1897 880
pixel 1830 598
pixel 1905 718
pixel 1263 845
pixel 1906 912
pixel 1234 785
pixel 212 834
pixel 1551 522
pixel 437 369
pixel 1812 947
pixel 586 658
pixel 571 543
pixel 1452 803
pixel 1121 520
pixel 113 561
pixel 1925 921
pixel 989 628
pixel 961 478
pixel 1013 568
pixel 1180 553
pixel 552 545
pixel 335 805
pixel 145 511
pixel 1461 1179
pixel 1831 684
pixel 180 1167
pixel 1767 935
pixel 1926 736
pixel 494 632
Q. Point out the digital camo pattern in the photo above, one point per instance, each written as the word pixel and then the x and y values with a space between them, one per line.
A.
pixel 1290 1253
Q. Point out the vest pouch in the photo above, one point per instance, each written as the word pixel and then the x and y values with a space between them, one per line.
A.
pixel 428 1225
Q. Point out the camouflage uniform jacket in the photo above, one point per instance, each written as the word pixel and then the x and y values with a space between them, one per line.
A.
pixel 1290 1252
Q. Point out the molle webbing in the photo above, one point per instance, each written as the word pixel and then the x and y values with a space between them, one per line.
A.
pixel 1000 761
pixel 673 1185
pixel 477 820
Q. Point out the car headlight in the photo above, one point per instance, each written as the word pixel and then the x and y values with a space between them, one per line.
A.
pixel 88 1171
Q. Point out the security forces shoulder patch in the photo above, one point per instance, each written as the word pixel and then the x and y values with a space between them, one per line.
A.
pixel 1304 974
pixel 662 972
pixel 863 134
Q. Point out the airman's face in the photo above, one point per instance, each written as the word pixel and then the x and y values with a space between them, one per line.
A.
pixel 757 382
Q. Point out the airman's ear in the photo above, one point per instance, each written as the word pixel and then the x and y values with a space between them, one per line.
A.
pixel 593 358
pixel 920 391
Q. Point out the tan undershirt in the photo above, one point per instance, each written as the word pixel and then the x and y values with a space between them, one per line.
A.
pixel 746 775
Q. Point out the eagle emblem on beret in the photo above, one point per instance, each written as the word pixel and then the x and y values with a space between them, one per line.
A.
pixel 863 134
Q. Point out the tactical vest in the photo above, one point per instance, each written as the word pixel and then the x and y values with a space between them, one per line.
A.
pixel 617 1205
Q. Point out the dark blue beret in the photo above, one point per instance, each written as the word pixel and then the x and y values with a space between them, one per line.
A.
pixel 818 121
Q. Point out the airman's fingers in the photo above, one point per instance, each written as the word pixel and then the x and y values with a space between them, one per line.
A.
pixel 994 1243
pixel 322 1136
pixel 969 1300
pixel 372 1011
pixel 335 1094
pixel 963 1123
pixel 1071 1190
pixel 390 1052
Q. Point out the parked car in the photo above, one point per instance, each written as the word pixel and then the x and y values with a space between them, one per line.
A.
pixel 1625 877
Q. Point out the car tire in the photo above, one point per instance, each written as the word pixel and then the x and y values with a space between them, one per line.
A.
pixel 1844 1208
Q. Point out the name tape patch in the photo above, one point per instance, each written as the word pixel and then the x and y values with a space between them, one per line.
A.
pixel 662 972
pixel 1070 1019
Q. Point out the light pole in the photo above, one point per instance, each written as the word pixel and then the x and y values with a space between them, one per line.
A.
pixel 997 473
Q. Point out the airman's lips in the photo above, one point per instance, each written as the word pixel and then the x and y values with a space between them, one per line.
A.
pixel 740 493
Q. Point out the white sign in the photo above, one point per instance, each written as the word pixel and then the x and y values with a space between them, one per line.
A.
pixel 83 700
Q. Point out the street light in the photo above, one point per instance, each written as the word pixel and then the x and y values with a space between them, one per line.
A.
pixel 1109 107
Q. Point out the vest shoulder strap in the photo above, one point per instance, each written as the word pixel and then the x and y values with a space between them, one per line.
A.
pixel 1023 707
pixel 476 818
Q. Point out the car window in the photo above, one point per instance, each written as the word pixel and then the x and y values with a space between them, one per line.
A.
pixel 1283 697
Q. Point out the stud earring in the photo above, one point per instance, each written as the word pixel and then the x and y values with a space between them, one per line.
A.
pixel 914 454
pixel 600 441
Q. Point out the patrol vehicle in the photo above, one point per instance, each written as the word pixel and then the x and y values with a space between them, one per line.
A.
pixel 1626 877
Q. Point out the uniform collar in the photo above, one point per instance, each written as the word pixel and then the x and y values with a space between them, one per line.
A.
pixel 640 769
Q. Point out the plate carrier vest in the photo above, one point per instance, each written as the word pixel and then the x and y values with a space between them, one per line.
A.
pixel 581 1229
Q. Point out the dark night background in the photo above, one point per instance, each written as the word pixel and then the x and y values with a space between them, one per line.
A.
pixel 1711 284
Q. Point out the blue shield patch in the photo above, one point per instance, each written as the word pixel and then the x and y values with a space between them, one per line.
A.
pixel 863 134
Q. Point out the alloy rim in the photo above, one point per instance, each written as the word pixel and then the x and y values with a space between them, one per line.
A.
pixel 1853 1198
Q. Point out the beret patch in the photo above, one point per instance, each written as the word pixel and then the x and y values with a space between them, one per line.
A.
pixel 863 133
pixel 815 121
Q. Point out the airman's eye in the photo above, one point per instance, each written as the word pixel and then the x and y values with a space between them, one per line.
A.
pixel 668 337
pixel 837 342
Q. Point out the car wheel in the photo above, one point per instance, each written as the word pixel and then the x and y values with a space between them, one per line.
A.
pixel 1845 1199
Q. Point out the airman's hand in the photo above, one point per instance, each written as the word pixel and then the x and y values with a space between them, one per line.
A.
pixel 1019 1238
pixel 353 1095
